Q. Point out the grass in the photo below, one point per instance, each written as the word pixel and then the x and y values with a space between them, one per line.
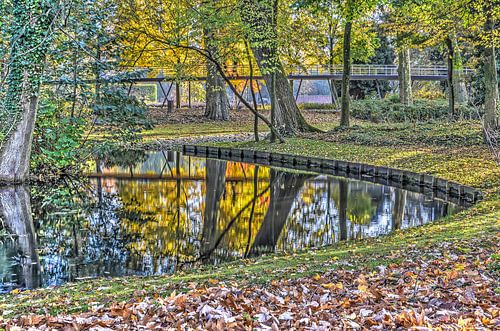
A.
pixel 440 134
pixel 468 166
pixel 471 165
pixel 480 221
pixel 181 130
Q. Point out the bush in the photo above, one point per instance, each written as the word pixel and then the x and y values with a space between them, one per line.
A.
pixel 316 106
pixel 390 110
pixel 57 138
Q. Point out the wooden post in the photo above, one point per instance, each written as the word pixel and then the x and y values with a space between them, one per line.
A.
pixel 189 94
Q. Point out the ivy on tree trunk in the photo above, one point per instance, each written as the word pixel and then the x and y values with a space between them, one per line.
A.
pixel 30 31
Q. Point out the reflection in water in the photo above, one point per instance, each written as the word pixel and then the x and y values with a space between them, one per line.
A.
pixel 168 210
pixel 15 213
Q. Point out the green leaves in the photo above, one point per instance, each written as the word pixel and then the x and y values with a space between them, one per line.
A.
pixel 57 138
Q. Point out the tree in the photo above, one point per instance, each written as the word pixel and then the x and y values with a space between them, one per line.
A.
pixel 346 72
pixel 215 184
pixel 491 113
pixel 314 37
pixel 352 10
pixel 141 18
pixel 433 23
pixel 404 76
pixel 216 101
pixel 285 188
pixel 261 29
pixel 30 30
pixel 15 211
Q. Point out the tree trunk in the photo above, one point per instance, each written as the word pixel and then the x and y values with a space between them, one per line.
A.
pixel 217 103
pixel 461 95
pixel 404 76
pixel 491 116
pixel 285 188
pixel 451 79
pixel 30 26
pixel 15 211
pixel 346 76
pixel 16 150
pixel 288 118
pixel 263 41
pixel 177 95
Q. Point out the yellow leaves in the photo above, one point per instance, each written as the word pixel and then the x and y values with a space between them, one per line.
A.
pixel 213 281
pixel 15 291
pixel 363 288
pixel 337 286
pixel 362 284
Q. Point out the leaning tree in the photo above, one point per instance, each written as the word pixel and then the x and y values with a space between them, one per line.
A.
pixel 25 44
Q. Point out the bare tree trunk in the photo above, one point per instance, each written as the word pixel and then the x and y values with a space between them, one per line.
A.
pixel 15 211
pixel 451 78
pixel 217 104
pixel 491 116
pixel 252 91
pixel 16 150
pixel 346 76
pixel 177 95
pixel 288 117
pixel 461 95
pixel 404 73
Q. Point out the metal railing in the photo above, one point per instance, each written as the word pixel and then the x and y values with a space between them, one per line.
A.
pixel 376 70
pixel 367 70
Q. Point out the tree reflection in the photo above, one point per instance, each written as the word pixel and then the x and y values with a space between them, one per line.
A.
pixel 285 187
pixel 149 217
pixel 215 184
pixel 398 211
pixel 15 211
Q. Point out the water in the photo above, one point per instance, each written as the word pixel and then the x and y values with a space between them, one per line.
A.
pixel 149 214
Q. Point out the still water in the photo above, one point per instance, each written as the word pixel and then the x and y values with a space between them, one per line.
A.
pixel 149 214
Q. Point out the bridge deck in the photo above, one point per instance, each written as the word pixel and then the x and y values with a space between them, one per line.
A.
pixel 358 72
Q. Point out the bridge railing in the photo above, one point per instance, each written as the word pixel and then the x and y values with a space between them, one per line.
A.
pixel 371 70
pixel 376 70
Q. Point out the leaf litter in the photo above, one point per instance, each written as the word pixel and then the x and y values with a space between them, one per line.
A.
pixel 437 288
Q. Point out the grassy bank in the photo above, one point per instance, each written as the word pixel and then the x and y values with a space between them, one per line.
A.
pixel 424 151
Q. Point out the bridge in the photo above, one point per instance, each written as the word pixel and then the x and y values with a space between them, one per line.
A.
pixel 358 72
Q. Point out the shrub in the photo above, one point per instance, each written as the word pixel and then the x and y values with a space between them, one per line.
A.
pixel 57 137
pixel 315 106
pixel 388 110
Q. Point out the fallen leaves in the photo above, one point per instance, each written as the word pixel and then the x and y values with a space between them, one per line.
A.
pixel 428 289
